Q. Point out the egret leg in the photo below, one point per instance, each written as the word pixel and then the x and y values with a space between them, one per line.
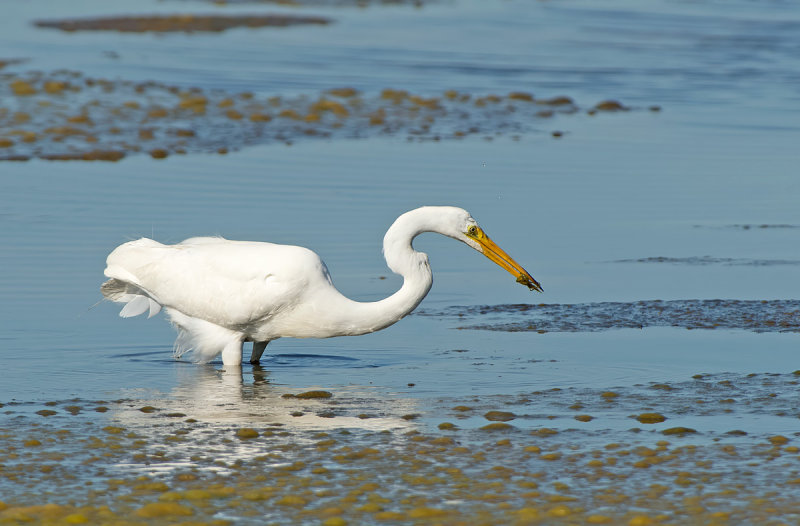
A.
pixel 258 350
pixel 232 353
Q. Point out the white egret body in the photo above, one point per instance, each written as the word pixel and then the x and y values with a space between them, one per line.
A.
pixel 221 293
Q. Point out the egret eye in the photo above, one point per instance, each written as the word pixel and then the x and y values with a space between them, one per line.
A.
pixel 473 230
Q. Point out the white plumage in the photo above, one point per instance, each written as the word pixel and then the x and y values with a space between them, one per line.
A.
pixel 221 293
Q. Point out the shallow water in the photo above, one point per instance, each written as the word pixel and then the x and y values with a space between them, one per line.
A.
pixel 756 316
pixel 691 204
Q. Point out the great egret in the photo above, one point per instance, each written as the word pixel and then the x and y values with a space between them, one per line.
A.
pixel 220 293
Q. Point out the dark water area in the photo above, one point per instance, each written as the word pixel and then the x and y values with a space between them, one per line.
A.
pixel 590 403
pixel 709 260
pixel 756 316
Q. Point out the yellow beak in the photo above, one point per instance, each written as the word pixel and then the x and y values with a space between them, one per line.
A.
pixel 490 249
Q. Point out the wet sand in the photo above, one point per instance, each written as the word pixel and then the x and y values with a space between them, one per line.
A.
pixel 681 453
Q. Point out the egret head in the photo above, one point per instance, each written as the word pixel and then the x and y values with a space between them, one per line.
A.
pixel 453 222
pixel 468 231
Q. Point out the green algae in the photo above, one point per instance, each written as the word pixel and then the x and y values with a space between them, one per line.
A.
pixel 559 474
pixel 499 416
pixel 680 431
pixel 650 418
pixel 498 426
pixel 186 23
pixel 314 395
pixel 64 115
pixel 246 433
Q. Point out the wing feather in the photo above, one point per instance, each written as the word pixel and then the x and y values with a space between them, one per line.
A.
pixel 230 283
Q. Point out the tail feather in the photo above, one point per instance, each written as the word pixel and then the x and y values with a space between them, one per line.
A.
pixel 134 307
pixel 203 339
pixel 136 299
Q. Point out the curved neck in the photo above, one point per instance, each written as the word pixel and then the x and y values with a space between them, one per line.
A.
pixel 364 317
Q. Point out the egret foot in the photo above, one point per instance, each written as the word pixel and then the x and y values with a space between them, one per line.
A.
pixel 258 350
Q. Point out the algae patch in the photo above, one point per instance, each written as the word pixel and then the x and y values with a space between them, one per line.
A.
pixel 138 467
pixel 65 115
pixel 185 23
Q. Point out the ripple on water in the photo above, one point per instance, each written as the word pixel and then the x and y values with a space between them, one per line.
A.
pixel 751 315
pixel 709 260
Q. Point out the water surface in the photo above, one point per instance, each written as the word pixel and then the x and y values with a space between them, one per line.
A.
pixel 628 207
